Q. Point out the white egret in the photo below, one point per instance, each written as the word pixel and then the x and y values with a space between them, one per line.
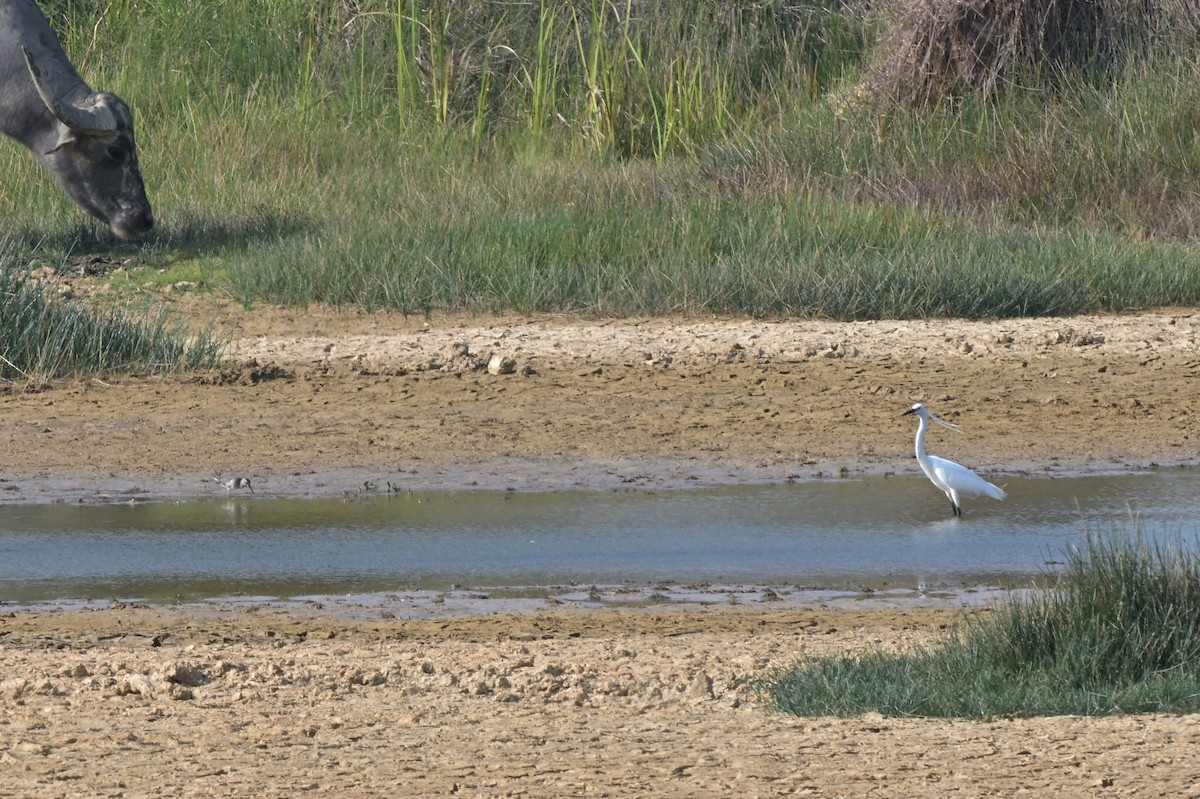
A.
pixel 953 478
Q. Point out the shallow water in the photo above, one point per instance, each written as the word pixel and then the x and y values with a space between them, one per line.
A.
pixel 882 532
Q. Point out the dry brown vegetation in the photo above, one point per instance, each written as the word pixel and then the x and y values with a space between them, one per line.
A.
pixel 945 48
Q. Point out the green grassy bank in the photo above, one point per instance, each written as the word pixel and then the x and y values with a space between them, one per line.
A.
pixel 1115 633
pixel 617 158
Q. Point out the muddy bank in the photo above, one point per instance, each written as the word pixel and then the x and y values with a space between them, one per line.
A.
pixel 324 403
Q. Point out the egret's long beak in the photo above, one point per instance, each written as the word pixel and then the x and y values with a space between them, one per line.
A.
pixel 909 412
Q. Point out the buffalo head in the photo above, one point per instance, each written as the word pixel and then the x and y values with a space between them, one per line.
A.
pixel 93 158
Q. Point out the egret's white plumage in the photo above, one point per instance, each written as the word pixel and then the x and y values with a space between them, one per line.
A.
pixel 954 479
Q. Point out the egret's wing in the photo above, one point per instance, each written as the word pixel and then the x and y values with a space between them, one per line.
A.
pixel 965 481
pixel 941 472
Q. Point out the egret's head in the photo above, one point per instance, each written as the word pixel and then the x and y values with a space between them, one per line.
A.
pixel 924 414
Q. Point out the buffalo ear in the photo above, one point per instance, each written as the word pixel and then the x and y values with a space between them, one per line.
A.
pixel 66 137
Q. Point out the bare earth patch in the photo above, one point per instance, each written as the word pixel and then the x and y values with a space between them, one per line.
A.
pixel 264 701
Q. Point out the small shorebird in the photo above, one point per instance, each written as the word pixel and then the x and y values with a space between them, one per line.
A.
pixel 234 483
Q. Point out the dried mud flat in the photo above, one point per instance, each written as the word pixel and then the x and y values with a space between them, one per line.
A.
pixel 240 702
pixel 267 701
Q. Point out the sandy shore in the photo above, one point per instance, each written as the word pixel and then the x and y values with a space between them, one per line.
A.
pixel 269 701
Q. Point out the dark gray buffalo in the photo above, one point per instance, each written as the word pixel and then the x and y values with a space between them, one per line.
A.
pixel 84 138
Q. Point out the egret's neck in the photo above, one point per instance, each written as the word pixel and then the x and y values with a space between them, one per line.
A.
pixel 922 428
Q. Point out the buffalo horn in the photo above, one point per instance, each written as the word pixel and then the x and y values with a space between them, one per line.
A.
pixel 57 86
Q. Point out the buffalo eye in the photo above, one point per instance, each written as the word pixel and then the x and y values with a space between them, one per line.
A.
pixel 117 153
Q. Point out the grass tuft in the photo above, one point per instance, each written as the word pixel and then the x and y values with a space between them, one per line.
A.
pixel 1119 632
pixel 44 337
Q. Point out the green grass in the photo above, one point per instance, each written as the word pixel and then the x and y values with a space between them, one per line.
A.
pixel 601 158
pixel 1119 632
pixel 44 337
